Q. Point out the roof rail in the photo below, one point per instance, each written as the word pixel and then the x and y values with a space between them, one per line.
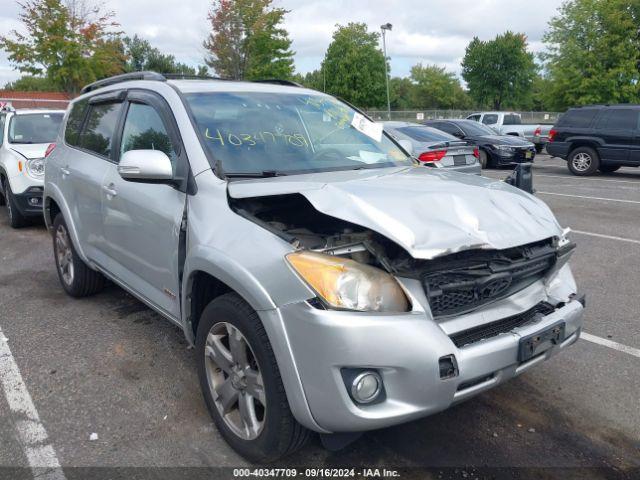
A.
pixel 277 81
pixel 125 77
pixel 185 76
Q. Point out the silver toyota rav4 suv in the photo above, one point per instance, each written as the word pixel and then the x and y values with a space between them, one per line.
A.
pixel 328 281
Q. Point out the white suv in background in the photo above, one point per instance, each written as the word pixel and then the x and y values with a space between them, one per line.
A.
pixel 26 138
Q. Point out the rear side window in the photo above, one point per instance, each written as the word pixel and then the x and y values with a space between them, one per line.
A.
pixel 74 123
pixel 512 119
pixel 579 118
pixel 446 127
pixel 622 119
pixel 491 119
pixel 100 127
pixel 426 134
pixel 144 130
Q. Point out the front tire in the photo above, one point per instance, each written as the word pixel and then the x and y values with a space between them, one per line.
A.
pixel 16 219
pixel 241 382
pixel 484 159
pixel 583 161
pixel 77 279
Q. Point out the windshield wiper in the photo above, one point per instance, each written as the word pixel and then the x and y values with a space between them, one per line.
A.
pixel 263 174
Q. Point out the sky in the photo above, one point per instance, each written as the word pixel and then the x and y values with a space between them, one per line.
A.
pixel 427 31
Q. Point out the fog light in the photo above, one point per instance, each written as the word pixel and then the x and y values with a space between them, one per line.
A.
pixel 34 201
pixel 366 387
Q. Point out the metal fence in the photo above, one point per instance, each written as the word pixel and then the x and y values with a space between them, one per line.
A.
pixel 420 115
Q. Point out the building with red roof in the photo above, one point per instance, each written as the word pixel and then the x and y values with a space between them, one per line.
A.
pixel 53 100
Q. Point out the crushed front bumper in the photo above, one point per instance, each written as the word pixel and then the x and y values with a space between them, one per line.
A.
pixel 405 349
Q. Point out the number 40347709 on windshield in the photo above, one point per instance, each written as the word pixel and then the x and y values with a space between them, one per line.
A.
pixel 266 137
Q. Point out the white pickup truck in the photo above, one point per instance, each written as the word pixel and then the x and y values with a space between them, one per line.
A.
pixel 510 123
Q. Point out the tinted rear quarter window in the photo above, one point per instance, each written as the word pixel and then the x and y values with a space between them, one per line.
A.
pixel 74 122
pixel 99 128
pixel 578 118
pixel 426 134
pixel 623 119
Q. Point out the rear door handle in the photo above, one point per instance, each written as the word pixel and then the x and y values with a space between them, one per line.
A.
pixel 65 171
pixel 110 190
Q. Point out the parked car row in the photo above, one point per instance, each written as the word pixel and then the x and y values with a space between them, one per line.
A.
pixel 510 123
pixel 329 282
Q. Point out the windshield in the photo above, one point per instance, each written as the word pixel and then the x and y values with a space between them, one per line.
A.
pixel 281 133
pixel 472 128
pixel 34 127
pixel 427 134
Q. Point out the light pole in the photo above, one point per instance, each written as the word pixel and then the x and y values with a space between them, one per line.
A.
pixel 384 28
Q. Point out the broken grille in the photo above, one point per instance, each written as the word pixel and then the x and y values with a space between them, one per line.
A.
pixel 505 325
pixel 462 282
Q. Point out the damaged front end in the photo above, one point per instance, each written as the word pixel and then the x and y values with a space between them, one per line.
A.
pixel 453 284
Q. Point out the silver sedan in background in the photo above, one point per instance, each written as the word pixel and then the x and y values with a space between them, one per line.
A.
pixel 436 148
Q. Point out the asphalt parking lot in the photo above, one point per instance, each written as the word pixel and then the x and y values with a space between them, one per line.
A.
pixel 107 365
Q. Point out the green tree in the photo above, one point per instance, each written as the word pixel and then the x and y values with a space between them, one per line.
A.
pixel 402 92
pixel 141 55
pixel 354 66
pixel 437 88
pixel 70 44
pixel 593 49
pixel 247 40
pixel 29 83
pixel 499 72
pixel 313 79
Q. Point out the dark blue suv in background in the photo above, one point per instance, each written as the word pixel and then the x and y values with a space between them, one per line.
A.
pixel 597 137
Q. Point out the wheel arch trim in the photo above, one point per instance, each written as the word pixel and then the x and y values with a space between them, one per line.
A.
pixel 238 279
pixel 53 193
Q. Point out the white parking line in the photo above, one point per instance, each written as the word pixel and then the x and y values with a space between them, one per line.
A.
pixel 611 344
pixel 31 433
pixel 569 177
pixel 608 237
pixel 590 198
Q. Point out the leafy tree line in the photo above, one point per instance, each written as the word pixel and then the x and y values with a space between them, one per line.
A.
pixel 592 56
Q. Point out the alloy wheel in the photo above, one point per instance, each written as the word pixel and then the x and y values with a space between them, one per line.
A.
pixel 235 381
pixel 64 255
pixel 581 161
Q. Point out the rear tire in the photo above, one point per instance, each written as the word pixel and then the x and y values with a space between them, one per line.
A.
pixel 16 219
pixel 77 279
pixel 609 168
pixel 583 161
pixel 236 364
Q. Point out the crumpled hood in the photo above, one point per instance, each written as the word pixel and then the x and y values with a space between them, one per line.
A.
pixel 428 212
pixel 30 150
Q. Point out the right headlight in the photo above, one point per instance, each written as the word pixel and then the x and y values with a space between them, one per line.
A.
pixel 346 284
pixel 505 149
pixel 35 167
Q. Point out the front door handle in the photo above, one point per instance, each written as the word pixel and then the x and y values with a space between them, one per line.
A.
pixel 110 190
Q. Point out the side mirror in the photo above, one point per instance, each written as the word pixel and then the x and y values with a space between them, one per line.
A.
pixel 406 145
pixel 151 166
